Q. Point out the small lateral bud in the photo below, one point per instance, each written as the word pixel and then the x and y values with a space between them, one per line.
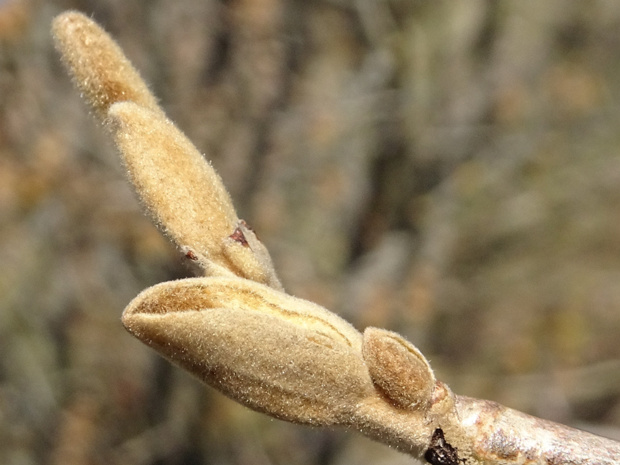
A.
pixel 398 369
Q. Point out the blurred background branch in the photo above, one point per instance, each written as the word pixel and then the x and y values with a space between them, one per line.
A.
pixel 448 171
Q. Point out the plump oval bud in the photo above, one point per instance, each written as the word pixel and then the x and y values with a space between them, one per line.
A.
pixel 272 352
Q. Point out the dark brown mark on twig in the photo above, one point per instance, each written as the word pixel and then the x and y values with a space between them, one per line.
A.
pixel 440 451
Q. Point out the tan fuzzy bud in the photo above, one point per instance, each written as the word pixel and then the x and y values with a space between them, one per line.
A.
pixel 398 368
pixel 180 189
pixel 98 66
pixel 272 352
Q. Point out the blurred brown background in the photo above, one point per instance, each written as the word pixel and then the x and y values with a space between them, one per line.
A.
pixel 448 170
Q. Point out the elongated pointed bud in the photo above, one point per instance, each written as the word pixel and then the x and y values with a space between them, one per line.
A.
pixel 178 187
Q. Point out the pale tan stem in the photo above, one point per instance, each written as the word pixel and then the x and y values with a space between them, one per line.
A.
pixel 481 432
pixel 500 435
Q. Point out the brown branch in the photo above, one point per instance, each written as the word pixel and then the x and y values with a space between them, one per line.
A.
pixel 237 330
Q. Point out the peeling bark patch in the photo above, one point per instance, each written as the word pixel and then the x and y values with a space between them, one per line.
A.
pixel 440 451
pixel 246 225
pixel 249 228
pixel 239 237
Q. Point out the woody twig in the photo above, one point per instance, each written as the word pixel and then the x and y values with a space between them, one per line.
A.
pixel 237 330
